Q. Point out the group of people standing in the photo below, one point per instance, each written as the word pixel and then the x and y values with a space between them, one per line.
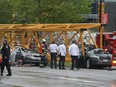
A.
pixel 54 51
pixel 61 51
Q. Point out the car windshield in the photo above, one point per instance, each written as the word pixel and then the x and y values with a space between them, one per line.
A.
pixel 28 50
pixel 32 51
pixel 100 52
pixel 25 50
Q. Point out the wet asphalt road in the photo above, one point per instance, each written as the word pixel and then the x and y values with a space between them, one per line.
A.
pixel 46 77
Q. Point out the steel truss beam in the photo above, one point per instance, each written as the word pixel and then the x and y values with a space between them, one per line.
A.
pixel 15 32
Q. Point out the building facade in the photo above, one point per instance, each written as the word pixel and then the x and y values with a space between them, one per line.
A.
pixel 109 8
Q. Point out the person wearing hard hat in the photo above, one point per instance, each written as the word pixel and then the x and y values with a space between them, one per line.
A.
pixel 43 50
pixel 44 46
pixel 43 40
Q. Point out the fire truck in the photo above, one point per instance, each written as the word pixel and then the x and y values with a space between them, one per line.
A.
pixel 108 43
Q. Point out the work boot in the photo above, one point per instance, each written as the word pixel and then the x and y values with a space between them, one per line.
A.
pixel 1 74
pixel 71 68
pixel 77 68
pixel 8 75
pixel 63 68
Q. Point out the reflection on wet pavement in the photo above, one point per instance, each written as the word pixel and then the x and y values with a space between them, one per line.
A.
pixel 6 85
pixel 57 78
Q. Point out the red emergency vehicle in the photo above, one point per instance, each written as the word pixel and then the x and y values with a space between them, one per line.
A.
pixel 114 50
pixel 107 40
pixel 108 43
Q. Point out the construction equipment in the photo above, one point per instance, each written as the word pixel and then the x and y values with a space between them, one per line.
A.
pixel 24 34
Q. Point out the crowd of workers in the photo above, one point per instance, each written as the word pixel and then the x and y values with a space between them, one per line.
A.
pixel 60 50
pixel 54 51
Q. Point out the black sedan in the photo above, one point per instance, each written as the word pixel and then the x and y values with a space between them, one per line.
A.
pixel 27 56
pixel 98 58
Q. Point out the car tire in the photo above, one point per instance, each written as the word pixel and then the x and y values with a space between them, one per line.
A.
pixel 109 67
pixel 89 64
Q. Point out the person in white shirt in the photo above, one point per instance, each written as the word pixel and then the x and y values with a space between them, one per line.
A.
pixel 53 48
pixel 74 53
pixel 62 54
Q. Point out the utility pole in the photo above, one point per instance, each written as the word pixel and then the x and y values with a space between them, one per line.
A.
pixel 100 20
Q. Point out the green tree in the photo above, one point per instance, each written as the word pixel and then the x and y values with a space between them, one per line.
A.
pixel 45 11
pixel 62 11
pixel 5 11
pixel 24 9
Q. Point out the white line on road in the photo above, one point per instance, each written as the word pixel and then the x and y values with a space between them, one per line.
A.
pixel 72 79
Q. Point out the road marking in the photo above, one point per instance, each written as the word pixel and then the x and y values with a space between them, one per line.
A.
pixel 73 79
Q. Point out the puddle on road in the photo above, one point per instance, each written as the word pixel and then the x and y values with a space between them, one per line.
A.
pixel 49 80
pixel 6 85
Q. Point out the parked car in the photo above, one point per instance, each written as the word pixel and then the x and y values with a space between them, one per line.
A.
pixel 98 58
pixel 27 56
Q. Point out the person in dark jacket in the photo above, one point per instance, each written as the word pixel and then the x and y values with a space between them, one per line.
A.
pixel 5 51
